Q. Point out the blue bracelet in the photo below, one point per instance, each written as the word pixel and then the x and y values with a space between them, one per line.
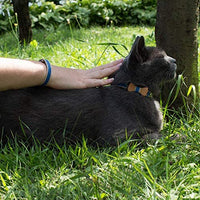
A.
pixel 48 66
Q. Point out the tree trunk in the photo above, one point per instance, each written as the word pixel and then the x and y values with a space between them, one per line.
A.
pixel 24 22
pixel 176 32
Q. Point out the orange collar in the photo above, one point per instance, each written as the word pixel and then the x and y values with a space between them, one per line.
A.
pixel 144 91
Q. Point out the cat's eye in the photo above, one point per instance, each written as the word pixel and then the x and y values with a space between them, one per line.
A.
pixel 160 56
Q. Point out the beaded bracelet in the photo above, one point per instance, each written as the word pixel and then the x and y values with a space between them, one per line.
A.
pixel 48 66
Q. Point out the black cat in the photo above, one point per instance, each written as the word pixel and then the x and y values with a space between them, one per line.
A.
pixel 103 115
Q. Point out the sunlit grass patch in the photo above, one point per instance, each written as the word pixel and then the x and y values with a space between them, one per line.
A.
pixel 167 169
pixel 80 51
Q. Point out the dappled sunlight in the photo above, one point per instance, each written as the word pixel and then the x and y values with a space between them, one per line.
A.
pixel 165 168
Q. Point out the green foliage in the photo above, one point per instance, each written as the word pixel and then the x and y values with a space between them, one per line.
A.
pixel 6 14
pixel 123 12
pixel 46 14
pixel 166 170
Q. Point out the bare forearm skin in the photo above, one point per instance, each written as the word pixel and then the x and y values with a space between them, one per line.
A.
pixel 17 73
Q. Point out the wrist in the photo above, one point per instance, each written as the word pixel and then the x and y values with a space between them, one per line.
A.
pixel 48 71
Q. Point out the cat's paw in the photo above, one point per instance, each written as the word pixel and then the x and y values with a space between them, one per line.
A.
pixel 152 136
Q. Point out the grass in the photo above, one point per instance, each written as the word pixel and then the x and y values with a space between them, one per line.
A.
pixel 167 169
pixel 80 48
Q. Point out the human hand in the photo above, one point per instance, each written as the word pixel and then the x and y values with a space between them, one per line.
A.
pixel 95 77
pixel 65 78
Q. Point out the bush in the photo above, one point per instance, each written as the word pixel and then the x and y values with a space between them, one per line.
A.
pixel 47 14
pixel 6 14
pixel 123 12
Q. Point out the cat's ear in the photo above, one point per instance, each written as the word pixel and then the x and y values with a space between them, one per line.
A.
pixel 138 53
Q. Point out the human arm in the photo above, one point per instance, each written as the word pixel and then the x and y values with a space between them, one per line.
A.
pixel 17 73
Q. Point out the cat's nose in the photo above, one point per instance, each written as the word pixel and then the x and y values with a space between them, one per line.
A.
pixel 173 63
pixel 172 60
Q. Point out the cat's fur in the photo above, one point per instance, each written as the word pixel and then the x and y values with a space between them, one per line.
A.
pixel 104 115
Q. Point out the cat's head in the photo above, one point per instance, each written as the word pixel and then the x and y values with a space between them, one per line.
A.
pixel 146 66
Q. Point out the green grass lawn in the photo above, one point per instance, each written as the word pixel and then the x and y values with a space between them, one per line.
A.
pixel 167 169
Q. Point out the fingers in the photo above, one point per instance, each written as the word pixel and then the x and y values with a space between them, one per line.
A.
pixel 98 82
pixel 94 77
pixel 104 72
pixel 108 65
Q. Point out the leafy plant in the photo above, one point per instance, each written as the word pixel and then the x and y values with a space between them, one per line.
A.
pixel 48 15
pixel 6 14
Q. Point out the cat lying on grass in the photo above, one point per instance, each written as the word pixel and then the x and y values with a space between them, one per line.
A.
pixel 104 115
